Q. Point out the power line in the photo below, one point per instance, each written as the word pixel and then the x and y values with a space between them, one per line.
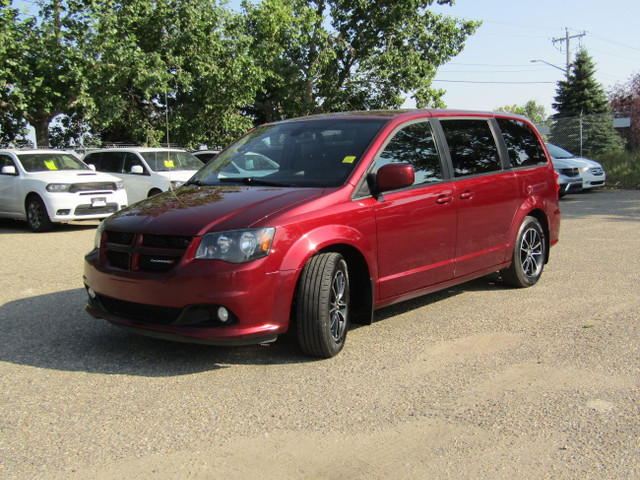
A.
pixel 493 82
pixel 613 41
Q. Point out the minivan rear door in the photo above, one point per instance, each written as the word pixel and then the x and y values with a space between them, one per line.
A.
pixel 486 195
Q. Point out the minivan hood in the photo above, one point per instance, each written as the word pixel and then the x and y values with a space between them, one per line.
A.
pixel 193 210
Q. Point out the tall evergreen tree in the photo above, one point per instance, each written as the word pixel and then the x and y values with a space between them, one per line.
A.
pixel 583 124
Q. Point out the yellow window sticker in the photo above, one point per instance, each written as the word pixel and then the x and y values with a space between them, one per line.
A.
pixel 50 164
pixel 349 159
pixel 169 163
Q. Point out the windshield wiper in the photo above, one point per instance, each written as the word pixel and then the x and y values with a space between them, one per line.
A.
pixel 255 181
pixel 194 183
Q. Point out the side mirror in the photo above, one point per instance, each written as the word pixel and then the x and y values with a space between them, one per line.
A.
pixel 91 166
pixel 9 170
pixel 393 176
pixel 137 169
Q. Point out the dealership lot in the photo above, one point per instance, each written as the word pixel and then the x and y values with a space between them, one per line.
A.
pixel 481 380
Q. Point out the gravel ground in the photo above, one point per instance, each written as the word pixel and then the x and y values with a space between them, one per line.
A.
pixel 478 381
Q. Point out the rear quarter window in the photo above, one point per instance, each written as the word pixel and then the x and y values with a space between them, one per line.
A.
pixel 525 150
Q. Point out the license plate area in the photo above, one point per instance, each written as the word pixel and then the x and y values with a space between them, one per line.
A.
pixel 98 202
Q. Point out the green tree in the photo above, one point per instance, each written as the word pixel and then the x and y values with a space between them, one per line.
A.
pixel 182 61
pixel 332 55
pixel 45 77
pixel 13 126
pixel 532 109
pixel 583 123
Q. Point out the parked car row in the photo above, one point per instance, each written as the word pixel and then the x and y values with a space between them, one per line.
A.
pixel 45 187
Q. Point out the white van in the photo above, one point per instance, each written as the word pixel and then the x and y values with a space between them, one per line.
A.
pixel 145 171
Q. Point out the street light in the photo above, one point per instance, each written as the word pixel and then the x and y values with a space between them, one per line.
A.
pixel 566 72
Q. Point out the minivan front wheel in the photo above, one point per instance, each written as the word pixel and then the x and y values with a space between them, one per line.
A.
pixel 322 305
pixel 529 255
pixel 37 216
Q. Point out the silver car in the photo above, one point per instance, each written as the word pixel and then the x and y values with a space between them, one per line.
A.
pixel 591 172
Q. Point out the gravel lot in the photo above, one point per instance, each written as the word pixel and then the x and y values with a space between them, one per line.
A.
pixel 479 381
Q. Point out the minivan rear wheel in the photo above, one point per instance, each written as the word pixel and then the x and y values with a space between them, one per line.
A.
pixel 322 305
pixel 529 255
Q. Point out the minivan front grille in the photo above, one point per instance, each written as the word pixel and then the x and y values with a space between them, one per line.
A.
pixel 144 252
pixel 140 312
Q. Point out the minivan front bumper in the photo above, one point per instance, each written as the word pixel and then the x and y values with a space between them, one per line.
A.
pixel 185 305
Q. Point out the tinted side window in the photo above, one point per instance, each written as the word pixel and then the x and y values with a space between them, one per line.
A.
pixel 472 146
pixel 415 145
pixel 524 147
pixel 106 162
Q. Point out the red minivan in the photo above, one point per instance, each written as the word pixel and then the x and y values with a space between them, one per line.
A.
pixel 310 224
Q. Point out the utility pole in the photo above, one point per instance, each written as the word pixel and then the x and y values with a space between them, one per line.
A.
pixel 567 38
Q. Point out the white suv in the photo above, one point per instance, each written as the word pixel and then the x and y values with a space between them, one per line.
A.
pixel 47 186
pixel 145 171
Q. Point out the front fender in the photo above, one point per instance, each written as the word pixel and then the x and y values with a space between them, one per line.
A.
pixel 326 237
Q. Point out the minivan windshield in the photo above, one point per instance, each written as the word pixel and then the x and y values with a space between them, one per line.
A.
pixel 168 161
pixel 308 153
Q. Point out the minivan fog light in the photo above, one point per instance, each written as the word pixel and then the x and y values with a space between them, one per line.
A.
pixel 223 314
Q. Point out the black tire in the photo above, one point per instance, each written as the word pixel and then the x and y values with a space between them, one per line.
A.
pixel 37 216
pixel 323 305
pixel 153 192
pixel 529 255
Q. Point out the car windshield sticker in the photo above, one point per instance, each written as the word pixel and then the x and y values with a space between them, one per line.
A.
pixel 50 164
pixel 348 159
pixel 169 163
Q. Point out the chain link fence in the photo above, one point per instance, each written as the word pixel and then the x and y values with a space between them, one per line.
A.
pixel 589 135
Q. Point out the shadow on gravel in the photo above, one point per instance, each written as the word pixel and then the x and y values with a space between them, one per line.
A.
pixel 16 226
pixel 483 284
pixel 618 205
pixel 54 332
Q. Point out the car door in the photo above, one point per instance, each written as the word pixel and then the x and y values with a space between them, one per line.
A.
pixel 137 185
pixel 10 195
pixel 486 195
pixel 416 226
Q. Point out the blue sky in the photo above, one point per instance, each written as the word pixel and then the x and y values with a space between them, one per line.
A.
pixel 514 32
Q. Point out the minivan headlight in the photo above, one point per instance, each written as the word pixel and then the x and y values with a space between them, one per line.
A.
pixel 236 246
pixel 98 236
pixel 119 185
